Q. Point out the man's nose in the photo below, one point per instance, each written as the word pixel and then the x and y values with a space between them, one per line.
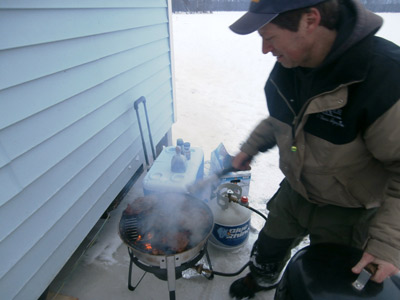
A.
pixel 266 47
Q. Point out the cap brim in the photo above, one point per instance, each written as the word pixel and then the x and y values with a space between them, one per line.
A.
pixel 250 22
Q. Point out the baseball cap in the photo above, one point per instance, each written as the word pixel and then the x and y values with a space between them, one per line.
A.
pixel 262 12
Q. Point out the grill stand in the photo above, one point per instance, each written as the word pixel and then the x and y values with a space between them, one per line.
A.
pixel 171 276
pixel 170 269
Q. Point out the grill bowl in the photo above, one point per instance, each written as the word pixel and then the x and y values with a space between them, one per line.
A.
pixel 182 212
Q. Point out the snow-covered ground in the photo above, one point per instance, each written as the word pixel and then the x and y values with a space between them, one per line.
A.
pixel 219 80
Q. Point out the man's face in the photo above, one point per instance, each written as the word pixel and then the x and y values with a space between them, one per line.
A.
pixel 291 49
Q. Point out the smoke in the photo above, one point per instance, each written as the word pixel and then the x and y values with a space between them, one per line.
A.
pixel 169 223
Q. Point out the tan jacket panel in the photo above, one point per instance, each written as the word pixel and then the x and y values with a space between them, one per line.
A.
pixel 362 173
pixel 382 139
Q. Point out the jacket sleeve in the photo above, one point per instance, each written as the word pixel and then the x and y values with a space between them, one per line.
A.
pixel 383 140
pixel 261 138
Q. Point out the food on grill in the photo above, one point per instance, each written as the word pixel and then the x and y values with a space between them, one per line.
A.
pixel 179 241
pixel 140 205
pixel 165 225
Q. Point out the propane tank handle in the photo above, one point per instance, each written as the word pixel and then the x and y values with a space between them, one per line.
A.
pixel 224 191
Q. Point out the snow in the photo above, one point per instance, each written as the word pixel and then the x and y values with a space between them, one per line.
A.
pixel 219 78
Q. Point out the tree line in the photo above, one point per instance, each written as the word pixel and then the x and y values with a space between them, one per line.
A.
pixel 208 6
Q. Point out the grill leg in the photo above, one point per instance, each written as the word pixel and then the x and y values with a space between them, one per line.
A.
pixel 171 295
pixel 130 286
pixel 209 263
pixel 171 276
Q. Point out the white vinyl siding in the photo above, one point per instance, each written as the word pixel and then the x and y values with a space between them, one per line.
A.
pixel 69 136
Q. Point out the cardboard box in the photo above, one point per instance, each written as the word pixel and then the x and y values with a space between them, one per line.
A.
pixel 219 159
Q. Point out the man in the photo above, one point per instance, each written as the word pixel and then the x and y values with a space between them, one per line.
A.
pixel 334 113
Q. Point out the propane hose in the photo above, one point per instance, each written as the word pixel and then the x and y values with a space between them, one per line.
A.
pixel 236 200
pixel 231 274
pixel 255 210
pixel 201 269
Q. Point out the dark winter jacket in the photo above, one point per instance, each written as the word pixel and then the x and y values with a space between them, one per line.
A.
pixel 337 127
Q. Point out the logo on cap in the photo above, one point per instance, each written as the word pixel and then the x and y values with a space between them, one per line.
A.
pixel 256 1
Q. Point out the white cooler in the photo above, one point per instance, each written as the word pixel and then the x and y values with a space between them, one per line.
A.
pixel 161 179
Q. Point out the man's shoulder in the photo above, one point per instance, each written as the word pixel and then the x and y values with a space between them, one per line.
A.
pixel 384 63
pixel 386 52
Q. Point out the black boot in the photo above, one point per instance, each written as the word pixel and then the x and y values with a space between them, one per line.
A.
pixel 267 263
pixel 247 287
pixel 262 277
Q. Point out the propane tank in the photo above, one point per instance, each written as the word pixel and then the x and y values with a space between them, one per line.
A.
pixel 231 220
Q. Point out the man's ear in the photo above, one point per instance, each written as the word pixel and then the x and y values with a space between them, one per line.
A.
pixel 312 19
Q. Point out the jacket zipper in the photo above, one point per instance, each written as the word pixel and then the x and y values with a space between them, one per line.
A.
pixel 298 117
pixel 295 117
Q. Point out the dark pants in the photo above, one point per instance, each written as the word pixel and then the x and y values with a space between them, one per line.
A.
pixel 291 218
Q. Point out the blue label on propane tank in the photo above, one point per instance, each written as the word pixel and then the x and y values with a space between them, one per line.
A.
pixel 231 235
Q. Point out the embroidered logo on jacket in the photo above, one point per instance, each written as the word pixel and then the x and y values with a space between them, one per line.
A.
pixel 333 116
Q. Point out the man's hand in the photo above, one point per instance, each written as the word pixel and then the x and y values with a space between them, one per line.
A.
pixel 384 270
pixel 242 161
